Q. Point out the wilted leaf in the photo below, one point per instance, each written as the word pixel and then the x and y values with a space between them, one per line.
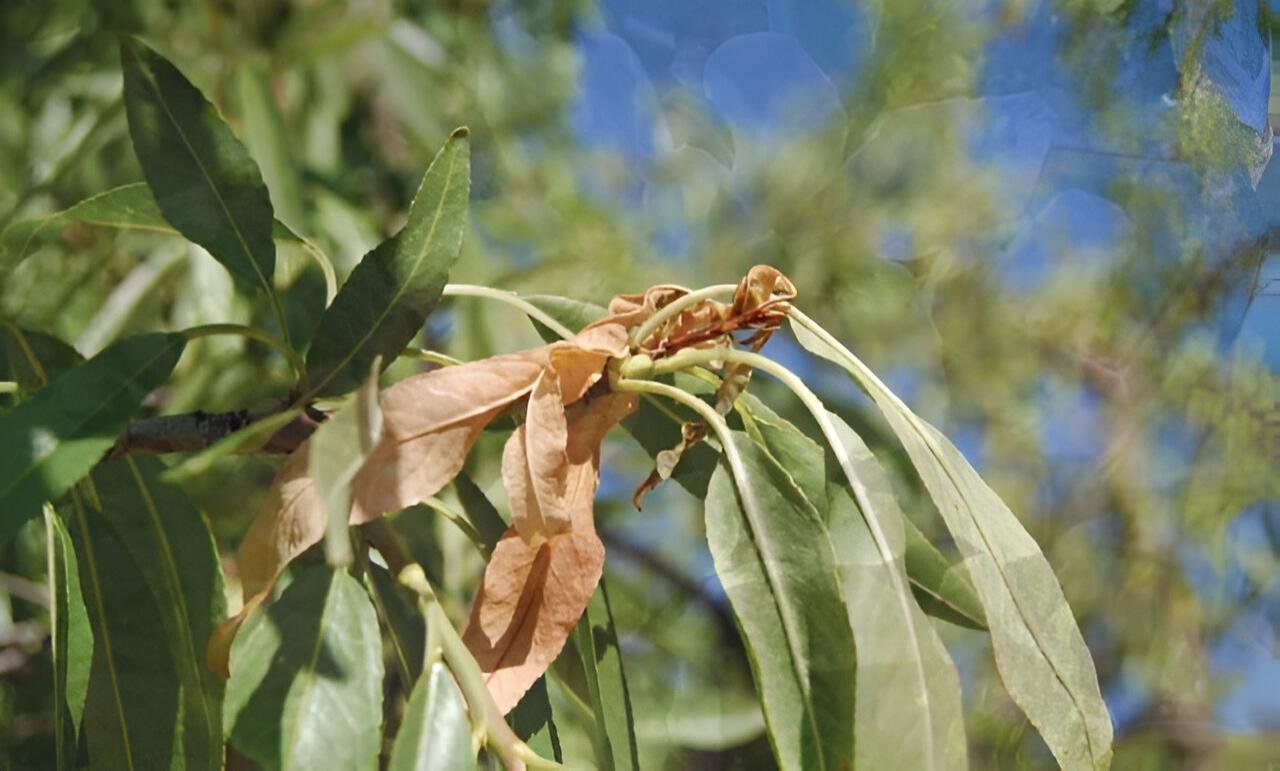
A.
pixel 389 295
pixel 71 639
pixel 62 431
pixel 774 558
pixel 1039 651
pixel 203 179
pixel 435 732
pixel 306 677
pixel 534 593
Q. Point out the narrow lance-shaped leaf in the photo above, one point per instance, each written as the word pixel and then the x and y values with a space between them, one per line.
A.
pixel 597 642
pixel 389 295
pixel 436 730
pixel 943 589
pixel 909 713
pixel 1039 651
pixel 339 448
pixel 57 436
pixel 306 677
pixel 72 639
pixel 908 693
pixel 133 702
pixel 773 555
pixel 151 532
pixel 32 359
pixel 204 181
pixel 128 207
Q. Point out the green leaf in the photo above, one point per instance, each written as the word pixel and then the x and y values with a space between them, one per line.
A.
pixel 57 436
pixel 773 555
pixel 337 451
pixel 266 136
pixel 151 574
pixel 436 731
pixel 401 618
pixel 909 713
pixel 72 639
pixel 203 179
pixel 1039 651
pixel 596 640
pixel 32 358
pixel 480 511
pixel 574 314
pixel 943 589
pixel 908 693
pixel 389 295
pixel 534 724
pixel 306 677
pixel 128 207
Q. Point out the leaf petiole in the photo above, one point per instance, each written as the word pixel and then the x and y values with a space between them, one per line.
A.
pixel 252 333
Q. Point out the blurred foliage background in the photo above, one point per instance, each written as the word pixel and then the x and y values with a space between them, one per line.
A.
pixel 1047 221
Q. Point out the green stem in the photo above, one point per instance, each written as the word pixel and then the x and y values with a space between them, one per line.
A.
pixel 326 267
pixel 253 333
pixel 459 521
pixel 512 299
pixel 676 306
pixel 514 753
pixel 431 357
pixel 8 387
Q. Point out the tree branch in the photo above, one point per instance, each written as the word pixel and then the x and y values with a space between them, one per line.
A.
pixel 194 431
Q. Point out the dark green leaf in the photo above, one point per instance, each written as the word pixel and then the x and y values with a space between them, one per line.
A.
pixel 203 179
pixel 533 723
pixel 151 574
pixel 1039 650
pixel 436 731
pixel 57 436
pixel 72 639
pixel 480 511
pixel 306 677
pixel 402 619
pixel 942 588
pixel 773 555
pixel 395 287
pixel 32 358
pixel 597 644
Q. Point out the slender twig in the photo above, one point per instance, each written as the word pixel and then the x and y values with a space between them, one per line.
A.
pixel 512 299
pixel 499 737
pixel 193 431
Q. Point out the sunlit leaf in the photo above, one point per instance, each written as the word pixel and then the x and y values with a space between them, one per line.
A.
pixel 306 677
pixel 128 207
pixel 436 731
pixel 389 295
pixel 1039 650
pixel 62 431
pixel 71 639
pixel 773 556
pixel 203 179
